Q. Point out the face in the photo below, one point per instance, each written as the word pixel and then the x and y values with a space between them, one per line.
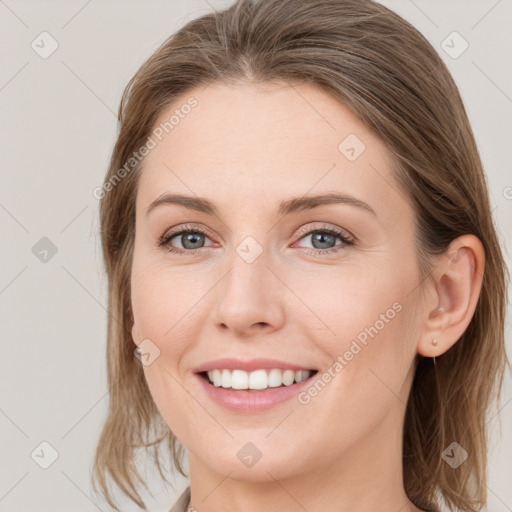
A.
pixel 330 286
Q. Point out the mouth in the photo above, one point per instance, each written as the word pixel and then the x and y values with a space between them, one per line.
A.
pixel 255 381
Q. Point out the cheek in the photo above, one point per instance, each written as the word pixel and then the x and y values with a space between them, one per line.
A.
pixel 163 314
pixel 167 306
pixel 346 301
pixel 160 297
pixel 362 319
pixel 368 370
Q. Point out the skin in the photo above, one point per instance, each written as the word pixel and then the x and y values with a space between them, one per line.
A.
pixel 246 148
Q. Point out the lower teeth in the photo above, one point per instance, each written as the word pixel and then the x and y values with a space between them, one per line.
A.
pixel 248 389
pixel 281 386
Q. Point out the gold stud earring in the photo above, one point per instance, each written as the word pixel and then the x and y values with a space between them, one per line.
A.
pixel 435 343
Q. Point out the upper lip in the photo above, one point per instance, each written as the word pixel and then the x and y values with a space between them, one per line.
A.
pixel 249 365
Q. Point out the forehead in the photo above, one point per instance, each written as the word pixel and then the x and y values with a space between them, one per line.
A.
pixel 265 142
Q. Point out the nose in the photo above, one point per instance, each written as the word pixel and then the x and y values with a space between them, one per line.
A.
pixel 250 299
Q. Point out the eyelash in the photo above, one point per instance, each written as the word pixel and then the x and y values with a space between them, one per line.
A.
pixel 346 241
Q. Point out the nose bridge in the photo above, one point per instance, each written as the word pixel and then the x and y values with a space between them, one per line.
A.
pixel 249 293
pixel 248 276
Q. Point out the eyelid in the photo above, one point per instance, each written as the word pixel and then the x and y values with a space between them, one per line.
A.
pixel 322 226
pixel 185 227
pixel 302 231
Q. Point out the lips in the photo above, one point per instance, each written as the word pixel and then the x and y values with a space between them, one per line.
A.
pixel 250 400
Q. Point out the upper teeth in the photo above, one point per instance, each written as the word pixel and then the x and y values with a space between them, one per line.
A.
pixel 258 379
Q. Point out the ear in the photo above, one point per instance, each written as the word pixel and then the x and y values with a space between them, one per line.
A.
pixel 456 283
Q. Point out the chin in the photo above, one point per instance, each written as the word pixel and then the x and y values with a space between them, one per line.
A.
pixel 246 462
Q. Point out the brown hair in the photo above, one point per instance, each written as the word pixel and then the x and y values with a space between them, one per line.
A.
pixel 389 75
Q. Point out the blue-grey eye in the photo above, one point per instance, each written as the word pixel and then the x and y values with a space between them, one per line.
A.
pixel 323 240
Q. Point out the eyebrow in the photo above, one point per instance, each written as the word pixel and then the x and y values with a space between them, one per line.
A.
pixel 292 205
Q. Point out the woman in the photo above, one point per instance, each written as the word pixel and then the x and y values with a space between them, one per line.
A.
pixel 298 241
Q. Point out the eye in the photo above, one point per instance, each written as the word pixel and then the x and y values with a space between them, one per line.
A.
pixel 324 238
pixel 190 238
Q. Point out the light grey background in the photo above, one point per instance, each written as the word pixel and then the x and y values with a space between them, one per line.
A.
pixel 57 131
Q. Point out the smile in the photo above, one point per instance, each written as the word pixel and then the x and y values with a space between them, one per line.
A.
pixel 252 392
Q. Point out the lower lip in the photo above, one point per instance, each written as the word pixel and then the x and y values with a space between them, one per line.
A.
pixel 251 401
